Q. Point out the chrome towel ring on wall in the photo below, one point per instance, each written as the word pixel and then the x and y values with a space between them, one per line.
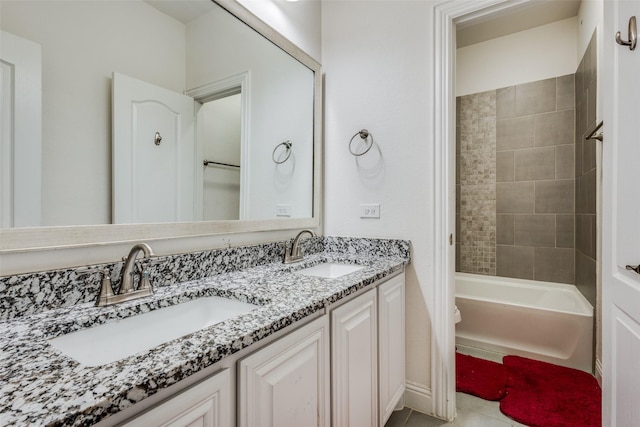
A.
pixel 364 135
pixel 287 146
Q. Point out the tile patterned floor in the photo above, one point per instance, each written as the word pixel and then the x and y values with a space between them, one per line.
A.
pixel 471 412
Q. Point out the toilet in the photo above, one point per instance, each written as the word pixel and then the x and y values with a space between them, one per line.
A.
pixel 457 314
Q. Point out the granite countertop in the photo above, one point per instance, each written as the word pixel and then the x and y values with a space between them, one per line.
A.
pixel 41 386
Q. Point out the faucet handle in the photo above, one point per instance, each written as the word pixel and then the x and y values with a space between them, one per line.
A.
pixel 145 283
pixel 106 289
pixel 286 254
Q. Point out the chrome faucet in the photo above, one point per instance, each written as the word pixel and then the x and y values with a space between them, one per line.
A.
pixel 126 285
pixel 295 254
pixel 127 291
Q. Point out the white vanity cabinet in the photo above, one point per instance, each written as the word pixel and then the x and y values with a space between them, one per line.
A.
pixel 209 403
pixel 342 369
pixel 367 356
pixel 286 383
pixel 391 345
pixel 354 362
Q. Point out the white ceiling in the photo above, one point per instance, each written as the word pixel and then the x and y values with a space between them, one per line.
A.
pixel 528 15
pixel 523 17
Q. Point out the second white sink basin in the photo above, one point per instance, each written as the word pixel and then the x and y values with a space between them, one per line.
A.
pixel 330 270
pixel 122 338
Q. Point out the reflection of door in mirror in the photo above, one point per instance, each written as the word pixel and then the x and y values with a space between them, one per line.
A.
pixel 219 133
pixel 154 153
pixel 20 131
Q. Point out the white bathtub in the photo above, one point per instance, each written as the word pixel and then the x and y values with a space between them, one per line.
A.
pixel 552 322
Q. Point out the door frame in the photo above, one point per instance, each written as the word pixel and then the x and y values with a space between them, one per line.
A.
pixel 446 15
pixel 216 90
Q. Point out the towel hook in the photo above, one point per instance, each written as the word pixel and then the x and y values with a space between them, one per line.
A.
pixel 287 144
pixel 633 35
pixel 364 134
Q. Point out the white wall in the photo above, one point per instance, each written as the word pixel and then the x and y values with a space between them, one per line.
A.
pixel 590 18
pixel 81 47
pixel 378 76
pixel 536 54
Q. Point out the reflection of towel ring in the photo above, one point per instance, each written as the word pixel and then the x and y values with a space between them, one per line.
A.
pixel 287 145
pixel 364 134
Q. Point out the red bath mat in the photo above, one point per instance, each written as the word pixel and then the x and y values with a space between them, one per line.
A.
pixel 540 394
pixel 479 377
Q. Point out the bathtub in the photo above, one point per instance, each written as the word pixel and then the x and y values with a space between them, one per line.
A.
pixel 551 322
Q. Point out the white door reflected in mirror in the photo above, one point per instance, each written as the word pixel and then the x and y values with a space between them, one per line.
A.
pixel 153 181
pixel 20 131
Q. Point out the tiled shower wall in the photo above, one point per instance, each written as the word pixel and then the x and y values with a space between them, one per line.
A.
pixel 476 177
pixel 530 165
pixel 585 174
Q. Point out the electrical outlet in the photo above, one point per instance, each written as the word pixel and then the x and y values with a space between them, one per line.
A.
pixel 370 211
pixel 283 210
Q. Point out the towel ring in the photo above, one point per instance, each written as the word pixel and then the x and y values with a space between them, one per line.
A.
pixel 364 134
pixel 287 145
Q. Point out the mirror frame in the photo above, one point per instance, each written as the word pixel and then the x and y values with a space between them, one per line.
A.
pixel 25 239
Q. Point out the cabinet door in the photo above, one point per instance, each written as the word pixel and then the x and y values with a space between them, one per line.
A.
pixel 206 404
pixel 286 384
pixel 354 363
pixel 391 345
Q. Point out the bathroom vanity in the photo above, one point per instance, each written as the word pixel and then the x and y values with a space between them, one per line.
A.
pixel 284 360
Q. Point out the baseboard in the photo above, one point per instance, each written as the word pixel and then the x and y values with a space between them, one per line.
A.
pixel 418 397
pixel 599 371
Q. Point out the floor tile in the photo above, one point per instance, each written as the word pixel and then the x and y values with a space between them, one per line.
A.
pixel 416 419
pixel 475 419
pixel 398 418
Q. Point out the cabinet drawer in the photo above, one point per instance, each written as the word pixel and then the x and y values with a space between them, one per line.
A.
pixel 206 404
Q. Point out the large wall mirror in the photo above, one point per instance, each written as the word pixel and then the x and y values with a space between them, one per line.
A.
pixel 143 119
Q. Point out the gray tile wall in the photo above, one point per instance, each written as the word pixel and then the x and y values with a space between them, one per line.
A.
pixel 535 186
pixel 534 195
pixel 585 174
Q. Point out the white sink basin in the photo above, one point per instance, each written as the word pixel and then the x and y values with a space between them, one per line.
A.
pixel 330 270
pixel 122 338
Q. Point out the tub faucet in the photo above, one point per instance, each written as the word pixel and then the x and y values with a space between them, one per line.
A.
pixel 295 254
pixel 127 292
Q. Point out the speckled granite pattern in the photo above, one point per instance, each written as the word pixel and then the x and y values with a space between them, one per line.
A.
pixel 40 386
pixel 33 293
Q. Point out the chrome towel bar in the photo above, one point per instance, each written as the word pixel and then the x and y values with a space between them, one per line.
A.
pixel 212 163
pixel 592 134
